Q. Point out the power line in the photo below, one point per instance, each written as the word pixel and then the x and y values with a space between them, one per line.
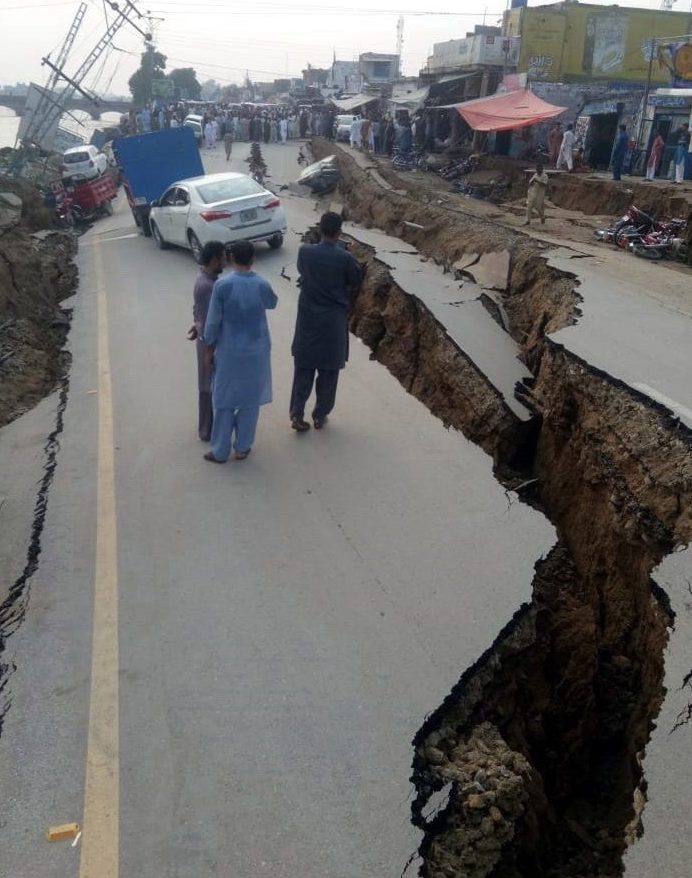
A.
pixel 312 11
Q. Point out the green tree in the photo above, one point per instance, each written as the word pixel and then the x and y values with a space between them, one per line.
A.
pixel 185 79
pixel 152 67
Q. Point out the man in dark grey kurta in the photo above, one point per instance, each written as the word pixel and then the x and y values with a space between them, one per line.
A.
pixel 213 260
pixel 329 279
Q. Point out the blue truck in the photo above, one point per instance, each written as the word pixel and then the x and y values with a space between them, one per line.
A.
pixel 149 163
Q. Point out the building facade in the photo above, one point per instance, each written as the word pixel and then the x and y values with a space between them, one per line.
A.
pixel 378 69
pixel 575 42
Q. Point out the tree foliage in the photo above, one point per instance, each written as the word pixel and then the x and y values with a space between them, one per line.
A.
pixel 152 66
pixel 185 79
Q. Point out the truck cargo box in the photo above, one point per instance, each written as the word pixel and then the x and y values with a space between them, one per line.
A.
pixel 151 162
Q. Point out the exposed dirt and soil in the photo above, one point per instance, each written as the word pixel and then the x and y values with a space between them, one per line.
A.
pixel 37 272
pixel 537 751
pixel 577 203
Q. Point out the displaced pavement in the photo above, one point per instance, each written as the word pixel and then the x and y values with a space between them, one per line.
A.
pixel 284 624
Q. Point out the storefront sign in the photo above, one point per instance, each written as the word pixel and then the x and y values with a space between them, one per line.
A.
pixel 596 108
pixel 575 41
pixel 668 101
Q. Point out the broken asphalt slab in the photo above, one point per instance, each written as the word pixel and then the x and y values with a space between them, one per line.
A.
pixel 471 328
pixel 491 271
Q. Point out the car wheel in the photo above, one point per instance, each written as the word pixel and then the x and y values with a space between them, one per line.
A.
pixel 108 207
pixel 195 246
pixel 157 236
pixel 276 242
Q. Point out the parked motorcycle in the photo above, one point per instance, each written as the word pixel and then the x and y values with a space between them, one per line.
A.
pixel 658 245
pixel 640 233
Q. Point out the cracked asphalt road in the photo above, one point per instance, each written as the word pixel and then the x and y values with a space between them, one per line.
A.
pixel 284 625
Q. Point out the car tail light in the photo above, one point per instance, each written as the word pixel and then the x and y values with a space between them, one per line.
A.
pixel 270 205
pixel 211 215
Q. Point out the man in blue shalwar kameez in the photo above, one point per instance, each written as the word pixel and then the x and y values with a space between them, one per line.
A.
pixel 237 336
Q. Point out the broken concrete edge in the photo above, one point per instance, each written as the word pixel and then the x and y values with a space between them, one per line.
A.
pixel 14 606
pixel 388 210
pixel 640 501
pixel 513 432
pixel 670 421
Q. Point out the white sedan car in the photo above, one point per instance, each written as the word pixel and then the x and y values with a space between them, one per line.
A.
pixel 217 207
pixel 84 161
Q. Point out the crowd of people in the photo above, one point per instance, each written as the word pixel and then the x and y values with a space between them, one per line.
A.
pixel 381 135
pixel 247 122
pixel 565 150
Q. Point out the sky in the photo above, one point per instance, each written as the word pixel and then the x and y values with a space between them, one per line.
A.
pixel 222 39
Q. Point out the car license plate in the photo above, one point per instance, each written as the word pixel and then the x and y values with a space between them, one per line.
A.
pixel 247 216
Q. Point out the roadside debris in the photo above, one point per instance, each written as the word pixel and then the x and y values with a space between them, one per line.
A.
pixel 63 831
pixel 322 176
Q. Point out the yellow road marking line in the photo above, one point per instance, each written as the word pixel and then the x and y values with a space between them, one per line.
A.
pixel 100 823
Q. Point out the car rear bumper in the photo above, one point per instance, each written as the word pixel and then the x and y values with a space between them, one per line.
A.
pixel 233 236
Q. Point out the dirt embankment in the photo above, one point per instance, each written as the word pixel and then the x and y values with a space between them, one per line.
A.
pixel 531 768
pixel 37 272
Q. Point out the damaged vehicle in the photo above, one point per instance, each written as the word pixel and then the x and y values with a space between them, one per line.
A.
pixel 321 177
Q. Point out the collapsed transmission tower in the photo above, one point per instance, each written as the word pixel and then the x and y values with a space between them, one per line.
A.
pixel 55 102
pixel 47 96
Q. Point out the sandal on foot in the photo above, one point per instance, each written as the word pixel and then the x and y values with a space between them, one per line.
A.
pixel 210 456
pixel 299 425
pixel 241 455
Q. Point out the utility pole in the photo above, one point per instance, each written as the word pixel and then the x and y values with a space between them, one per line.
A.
pixel 400 41
pixel 47 96
pixel 74 82
pixel 647 89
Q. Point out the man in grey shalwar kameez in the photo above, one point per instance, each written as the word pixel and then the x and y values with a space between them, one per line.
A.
pixel 329 279
pixel 237 336
pixel 213 260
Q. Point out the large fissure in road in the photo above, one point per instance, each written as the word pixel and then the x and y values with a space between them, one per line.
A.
pixel 37 273
pixel 532 765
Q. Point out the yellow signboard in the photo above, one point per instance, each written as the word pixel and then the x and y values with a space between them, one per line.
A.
pixel 577 42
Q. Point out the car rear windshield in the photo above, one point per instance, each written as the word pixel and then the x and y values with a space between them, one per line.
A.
pixel 73 157
pixel 225 190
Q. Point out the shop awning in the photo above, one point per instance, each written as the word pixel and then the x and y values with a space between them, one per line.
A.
pixel 413 100
pixel 514 109
pixel 348 104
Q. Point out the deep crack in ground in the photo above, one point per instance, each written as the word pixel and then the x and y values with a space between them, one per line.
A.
pixel 538 748
pixel 13 608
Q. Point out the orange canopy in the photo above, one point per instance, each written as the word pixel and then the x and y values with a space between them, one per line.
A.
pixel 515 109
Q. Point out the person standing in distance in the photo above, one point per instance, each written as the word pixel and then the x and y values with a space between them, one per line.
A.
pixel 329 280
pixel 620 151
pixel 681 150
pixel 212 261
pixel 566 153
pixel 239 345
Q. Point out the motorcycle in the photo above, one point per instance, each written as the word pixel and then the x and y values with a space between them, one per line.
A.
pixel 68 212
pixel 658 245
pixel 634 222
pixel 635 225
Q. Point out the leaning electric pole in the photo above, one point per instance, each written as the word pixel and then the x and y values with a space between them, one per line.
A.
pixel 52 103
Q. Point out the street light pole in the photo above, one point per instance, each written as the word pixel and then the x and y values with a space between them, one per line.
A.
pixel 647 89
